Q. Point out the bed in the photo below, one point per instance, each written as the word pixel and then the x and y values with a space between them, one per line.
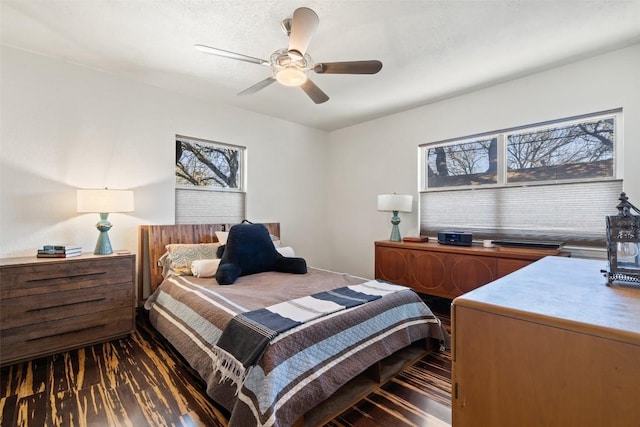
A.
pixel 307 374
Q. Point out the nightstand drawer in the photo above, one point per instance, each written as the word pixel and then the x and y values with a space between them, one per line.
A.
pixel 51 337
pixel 15 312
pixel 39 278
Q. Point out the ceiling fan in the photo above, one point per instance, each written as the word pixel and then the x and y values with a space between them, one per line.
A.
pixel 292 66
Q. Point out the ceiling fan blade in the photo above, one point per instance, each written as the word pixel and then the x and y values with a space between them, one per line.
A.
pixel 231 55
pixel 349 67
pixel 258 86
pixel 314 92
pixel 303 27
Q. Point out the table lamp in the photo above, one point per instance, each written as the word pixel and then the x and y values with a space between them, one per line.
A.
pixel 104 202
pixel 395 203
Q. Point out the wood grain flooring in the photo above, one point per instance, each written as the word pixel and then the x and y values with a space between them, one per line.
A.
pixel 141 381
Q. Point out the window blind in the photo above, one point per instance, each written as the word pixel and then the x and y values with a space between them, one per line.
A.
pixel 573 213
pixel 209 207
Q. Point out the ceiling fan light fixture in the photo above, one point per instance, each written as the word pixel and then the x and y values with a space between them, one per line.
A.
pixel 291 76
pixel 289 70
pixel 295 55
pixel 292 66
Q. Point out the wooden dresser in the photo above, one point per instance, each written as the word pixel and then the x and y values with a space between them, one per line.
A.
pixel 448 271
pixel 549 345
pixel 49 305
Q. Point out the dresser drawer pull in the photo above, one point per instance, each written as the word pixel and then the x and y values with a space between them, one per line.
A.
pixel 68 276
pixel 65 305
pixel 75 331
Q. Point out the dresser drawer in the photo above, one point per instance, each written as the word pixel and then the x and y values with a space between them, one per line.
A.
pixel 21 311
pixel 51 277
pixel 58 335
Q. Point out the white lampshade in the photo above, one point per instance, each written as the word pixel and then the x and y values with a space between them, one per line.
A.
pixel 395 202
pixel 105 201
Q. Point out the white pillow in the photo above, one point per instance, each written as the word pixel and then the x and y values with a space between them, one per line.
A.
pixel 205 267
pixel 275 240
pixel 222 237
pixel 286 251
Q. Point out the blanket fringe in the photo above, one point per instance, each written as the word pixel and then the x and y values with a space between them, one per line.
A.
pixel 229 367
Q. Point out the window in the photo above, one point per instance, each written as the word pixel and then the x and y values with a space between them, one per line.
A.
pixel 471 162
pixel 582 150
pixel 550 181
pixel 579 150
pixel 209 181
pixel 208 164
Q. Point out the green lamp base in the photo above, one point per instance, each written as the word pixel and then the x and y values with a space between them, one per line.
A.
pixel 103 247
pixel 395 230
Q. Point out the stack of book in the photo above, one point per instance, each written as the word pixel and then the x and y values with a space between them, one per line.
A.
pixel 59 251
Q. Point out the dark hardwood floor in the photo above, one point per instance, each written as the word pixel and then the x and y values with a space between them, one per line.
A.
pixel 141 381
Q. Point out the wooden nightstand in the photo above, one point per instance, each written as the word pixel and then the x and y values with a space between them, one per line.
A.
pixel 50 305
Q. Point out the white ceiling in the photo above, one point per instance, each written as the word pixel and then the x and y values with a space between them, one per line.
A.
pixel 431 49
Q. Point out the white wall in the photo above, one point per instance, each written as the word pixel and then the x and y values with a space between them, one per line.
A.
pixel 381 156
pixel 65 127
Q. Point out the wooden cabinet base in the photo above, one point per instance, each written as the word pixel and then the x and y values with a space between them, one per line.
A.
pixel 447 271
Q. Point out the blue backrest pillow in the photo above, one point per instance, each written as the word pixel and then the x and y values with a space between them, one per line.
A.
pixel 250 250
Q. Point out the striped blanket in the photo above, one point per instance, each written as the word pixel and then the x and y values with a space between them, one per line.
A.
pixel 247 335
pixel 299 367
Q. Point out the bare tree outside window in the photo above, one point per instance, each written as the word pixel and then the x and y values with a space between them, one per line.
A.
pixel 461 164
pixel 207 164
pixel 565 150
pixel 577 151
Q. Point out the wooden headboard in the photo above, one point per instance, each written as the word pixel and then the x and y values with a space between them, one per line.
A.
pixel 152 240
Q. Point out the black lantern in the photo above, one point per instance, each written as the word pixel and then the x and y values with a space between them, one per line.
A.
pixel 623 243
